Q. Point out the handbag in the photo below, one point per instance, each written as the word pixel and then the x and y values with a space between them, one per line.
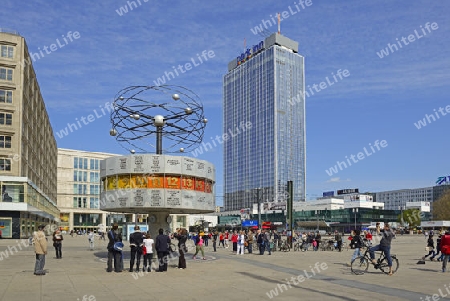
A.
pixel 245 244
pixel 144 250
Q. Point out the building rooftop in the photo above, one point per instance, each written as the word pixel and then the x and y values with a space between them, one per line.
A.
pixel 10 31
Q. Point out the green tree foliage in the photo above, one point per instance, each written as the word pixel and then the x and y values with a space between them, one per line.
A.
pixel 410 217
pixel 441 207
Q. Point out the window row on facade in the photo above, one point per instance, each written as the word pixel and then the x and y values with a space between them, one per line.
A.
pixel 82 163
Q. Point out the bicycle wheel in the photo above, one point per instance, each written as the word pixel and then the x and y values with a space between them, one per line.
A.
pixel 360 265
pixel 385 268
pixel 287 248
pixel 304 247
pixel 296 247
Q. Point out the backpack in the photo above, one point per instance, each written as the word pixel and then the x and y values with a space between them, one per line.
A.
pixel 445 250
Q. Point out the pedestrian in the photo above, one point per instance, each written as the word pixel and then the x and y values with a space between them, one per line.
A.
pixel 40 249
pixel 250 241
pixel 276 241
pixel 260 239
pixel 214 241
pixel 234 241
pixel 136 243
pixel 226 238
pixel 357 243
pixel 148 257
pixel 205 239
pixel 368 237
pixel 181 236
pixel 57 243
pixel 221 240
pixel 338 239
pixel 318 240
pixel 91 240
pixel 114 253
pixel 267 242
pixel 429 247
pixel 438 247
pixel 162 249
pixel 199 247
pixel 240 243
pixel 445 249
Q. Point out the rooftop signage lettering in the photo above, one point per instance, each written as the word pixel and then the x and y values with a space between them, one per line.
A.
pixel 250 52
pixel 443 180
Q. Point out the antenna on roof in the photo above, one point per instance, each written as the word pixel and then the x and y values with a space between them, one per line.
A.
pixel 279 21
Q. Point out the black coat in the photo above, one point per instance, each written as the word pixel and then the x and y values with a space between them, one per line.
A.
pixel 162 243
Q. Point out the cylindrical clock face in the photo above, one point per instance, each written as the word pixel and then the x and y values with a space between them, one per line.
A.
pixel 152 218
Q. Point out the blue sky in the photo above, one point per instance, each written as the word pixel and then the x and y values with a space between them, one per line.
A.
pixel 380 100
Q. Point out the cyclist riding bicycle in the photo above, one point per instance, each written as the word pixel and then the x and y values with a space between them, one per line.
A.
pixel 385 245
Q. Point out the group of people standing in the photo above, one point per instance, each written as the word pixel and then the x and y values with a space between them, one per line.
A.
pixel 142 245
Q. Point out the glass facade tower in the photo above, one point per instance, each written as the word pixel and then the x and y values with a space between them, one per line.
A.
pixel 264 117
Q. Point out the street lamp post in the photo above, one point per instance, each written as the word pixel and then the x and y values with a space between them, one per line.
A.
pixel 355 210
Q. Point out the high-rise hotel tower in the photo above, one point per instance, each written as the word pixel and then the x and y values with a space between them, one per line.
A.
pixel 264 123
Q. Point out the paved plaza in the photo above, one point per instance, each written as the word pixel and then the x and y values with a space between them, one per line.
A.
pixel 81 275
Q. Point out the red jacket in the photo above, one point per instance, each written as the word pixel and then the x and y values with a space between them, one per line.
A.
pixel 445 241
pixel 234 238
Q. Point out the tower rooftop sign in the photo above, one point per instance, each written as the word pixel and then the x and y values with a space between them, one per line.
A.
pixel 274 39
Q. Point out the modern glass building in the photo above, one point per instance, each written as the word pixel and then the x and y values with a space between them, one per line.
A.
pixel 264 124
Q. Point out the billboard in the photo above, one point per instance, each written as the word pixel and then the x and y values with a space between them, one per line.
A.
pixel 328 194
pixel 250 223
pixel 348 191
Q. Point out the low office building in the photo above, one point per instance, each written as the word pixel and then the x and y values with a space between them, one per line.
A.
pixel 79 191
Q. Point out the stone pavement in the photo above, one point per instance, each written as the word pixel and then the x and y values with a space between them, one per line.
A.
pixel 81 275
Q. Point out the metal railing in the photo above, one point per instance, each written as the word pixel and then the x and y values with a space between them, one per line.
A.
pixel 6 30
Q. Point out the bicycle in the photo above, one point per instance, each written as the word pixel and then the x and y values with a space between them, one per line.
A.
pixel 284 246
pixel 360 264
pixel 297 245
pixel 305 246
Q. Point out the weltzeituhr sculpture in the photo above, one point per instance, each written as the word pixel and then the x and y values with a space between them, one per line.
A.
pixel 160 183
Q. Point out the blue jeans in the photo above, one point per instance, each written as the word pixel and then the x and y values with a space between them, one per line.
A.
pixel 356 254
pixel 385 249
pixel 268 247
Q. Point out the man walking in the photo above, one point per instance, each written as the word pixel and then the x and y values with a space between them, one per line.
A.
pixel 136 242
pixel 40 248
pixel 162 248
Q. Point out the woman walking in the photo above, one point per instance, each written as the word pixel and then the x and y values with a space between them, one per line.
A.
pixel 199 247
pixel 430 246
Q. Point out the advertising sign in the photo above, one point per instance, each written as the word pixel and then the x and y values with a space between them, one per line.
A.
pixel 347 191
pixel 250 223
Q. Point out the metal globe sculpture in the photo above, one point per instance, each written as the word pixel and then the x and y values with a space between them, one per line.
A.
pixel 146 117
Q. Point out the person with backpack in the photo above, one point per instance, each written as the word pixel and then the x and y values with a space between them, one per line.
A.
pixel 445 249
pixel 357 243
pixel 199 246
pixel 114 237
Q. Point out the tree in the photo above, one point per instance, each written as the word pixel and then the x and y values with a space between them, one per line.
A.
pixel 441 207
pixel 411 217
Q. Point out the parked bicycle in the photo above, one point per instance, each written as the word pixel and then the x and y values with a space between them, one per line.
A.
pixel 360 264
pixel 284 246
pixel 305 246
